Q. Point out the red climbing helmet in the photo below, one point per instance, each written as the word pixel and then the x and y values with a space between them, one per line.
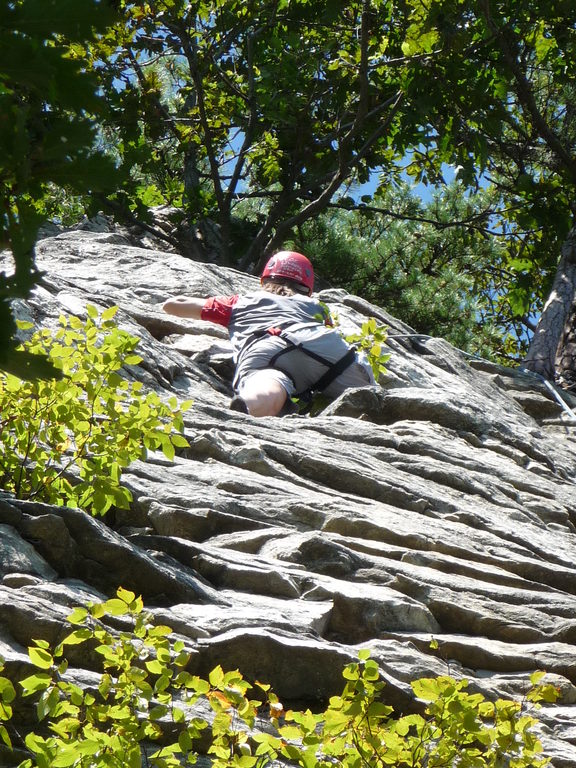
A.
pixel 290 265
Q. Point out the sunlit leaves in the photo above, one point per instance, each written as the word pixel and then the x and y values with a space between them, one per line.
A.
pixel 545 44
pixel 371 342
pixel 7 696
pixel 67 440
pixel 357 728
pixel 145 691
pixel 421 34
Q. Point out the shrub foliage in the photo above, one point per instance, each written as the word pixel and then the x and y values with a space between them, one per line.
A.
pixel 144 710
pixel 371 341
pixel 66 440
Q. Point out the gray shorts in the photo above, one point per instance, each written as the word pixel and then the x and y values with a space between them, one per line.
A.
pixel 295 370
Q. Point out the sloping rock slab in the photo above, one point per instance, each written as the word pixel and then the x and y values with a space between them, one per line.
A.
pixel 440 504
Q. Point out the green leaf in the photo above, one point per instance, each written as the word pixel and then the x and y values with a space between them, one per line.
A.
pixel 40 657
pixel 371 670
pixel 78 615
pixel 132 359
pixel 185 742
pixel 161 630
pixel 5 737
pixel 334 722
pixel 47 703
pixel 116 607
pixel 127 597
pixel 35 683
pixel 537 676
pixel 216 677
pixel 155 667
pixel 427 689
pixel 77 637
pixel 198 684
pixel 351 672
pixel 7 692
pixel 109 313
pixel 168 448
pixel 66 756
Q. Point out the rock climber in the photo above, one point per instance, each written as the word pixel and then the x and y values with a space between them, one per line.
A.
pixel 283 342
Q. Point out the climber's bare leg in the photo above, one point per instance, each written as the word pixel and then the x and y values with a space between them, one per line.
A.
pixel 263 394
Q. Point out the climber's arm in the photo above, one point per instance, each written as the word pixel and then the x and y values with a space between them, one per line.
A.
pixel 216 309
pixel 184 306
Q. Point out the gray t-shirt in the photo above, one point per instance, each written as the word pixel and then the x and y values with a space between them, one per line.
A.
pixel 257 312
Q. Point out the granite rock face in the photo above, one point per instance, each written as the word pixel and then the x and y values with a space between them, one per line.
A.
pixel 440 504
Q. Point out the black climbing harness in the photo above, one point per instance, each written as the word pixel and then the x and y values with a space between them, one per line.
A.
pixel 334 368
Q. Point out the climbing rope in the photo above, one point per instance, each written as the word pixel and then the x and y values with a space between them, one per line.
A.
pixel 554 392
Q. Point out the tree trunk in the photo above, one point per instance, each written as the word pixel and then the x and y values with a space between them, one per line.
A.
pixel 566 357
pixel 554 341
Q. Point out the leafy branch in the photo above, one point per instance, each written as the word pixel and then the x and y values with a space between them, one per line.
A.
pixel 146 697
pixel 66 440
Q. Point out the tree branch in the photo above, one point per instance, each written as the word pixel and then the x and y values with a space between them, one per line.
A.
pixel 128 216
pixel 526 96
